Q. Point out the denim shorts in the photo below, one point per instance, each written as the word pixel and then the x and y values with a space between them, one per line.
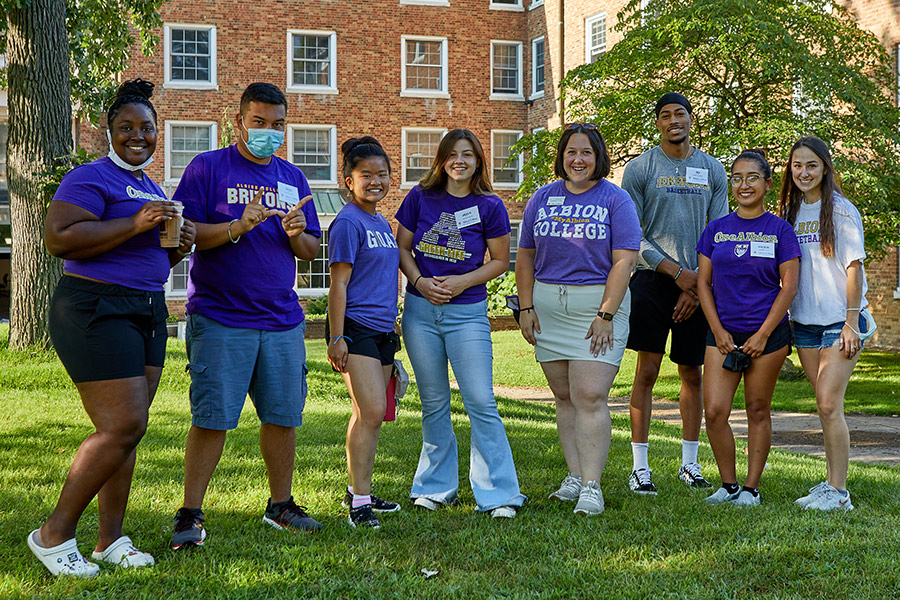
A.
pixel 227 363
pixel 820 336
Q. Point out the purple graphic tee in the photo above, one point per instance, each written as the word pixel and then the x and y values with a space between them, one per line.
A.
pixel 110 192
pixel 746 255
pixel 367 242
pixel 450 234
pixel 573 235
pixel 251 283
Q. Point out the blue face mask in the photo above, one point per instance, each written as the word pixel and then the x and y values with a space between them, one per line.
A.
pixel 262 143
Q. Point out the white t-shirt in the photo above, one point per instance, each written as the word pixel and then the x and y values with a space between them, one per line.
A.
pixel 822 296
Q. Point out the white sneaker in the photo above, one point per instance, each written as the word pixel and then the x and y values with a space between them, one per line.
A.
pixel 721 496
pixel 590 500
pixel 813 495
pixel 569 489
pixel 427 503
pixel 831 499
pixel 745 498
pixel 122 553
pixel 504 512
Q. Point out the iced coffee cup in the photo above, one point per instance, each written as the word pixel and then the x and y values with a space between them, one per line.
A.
pixel 170 231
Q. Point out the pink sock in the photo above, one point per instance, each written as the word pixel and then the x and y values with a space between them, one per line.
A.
pixel 350 488
pixel 361 500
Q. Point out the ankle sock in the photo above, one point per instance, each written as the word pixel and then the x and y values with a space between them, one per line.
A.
pixel 361 500
pixel 350 489
pixel 689 452
pixel 731 487
pixel 753 491
pixel 639 455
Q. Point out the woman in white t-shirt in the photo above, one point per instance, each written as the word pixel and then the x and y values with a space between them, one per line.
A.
pixel 825 314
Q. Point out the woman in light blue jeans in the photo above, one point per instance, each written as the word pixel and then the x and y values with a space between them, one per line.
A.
pixel 447 224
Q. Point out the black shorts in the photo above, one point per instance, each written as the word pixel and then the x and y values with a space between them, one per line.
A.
pixel 103 331
pixel 780 338
pixel 653 299
pixel 366 341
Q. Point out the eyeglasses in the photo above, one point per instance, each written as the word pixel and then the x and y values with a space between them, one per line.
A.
pixel 590 126
pixel 749 180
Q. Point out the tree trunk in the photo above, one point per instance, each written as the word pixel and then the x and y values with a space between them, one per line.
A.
pixel 40 129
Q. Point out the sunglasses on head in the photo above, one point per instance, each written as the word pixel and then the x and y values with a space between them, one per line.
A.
pixel 581 126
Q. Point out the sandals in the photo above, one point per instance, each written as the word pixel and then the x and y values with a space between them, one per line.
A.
pixel 122 553
pixel 64 559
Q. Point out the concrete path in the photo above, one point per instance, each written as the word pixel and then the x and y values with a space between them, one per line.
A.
pixel 873 440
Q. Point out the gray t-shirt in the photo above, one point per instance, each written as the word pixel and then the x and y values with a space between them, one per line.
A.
pixel 674 209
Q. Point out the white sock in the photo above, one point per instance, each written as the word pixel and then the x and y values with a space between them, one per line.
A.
pixel 350 488
pixel 639 452
pixel 689 452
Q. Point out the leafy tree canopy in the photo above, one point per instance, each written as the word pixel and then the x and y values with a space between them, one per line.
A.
pixel 760 74
pixel 100 33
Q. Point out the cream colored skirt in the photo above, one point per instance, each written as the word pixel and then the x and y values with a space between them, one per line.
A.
pixel 565 313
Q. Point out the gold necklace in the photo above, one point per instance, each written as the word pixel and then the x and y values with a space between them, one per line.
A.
pixel 681 162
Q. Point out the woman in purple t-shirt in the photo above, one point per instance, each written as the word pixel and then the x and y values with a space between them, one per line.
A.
pixel 578 245
pixel 107 323
pixel 362 311
pixel 447 225
pixel 747 278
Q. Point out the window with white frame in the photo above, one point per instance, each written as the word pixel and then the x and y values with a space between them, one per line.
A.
pixel 535 3
pixel 313 276
pixel 506 174
pixel 514 228
pixel 313 148
pixel 311 65
pixel 419 149
pixel 507 5
pixel 190 56
pixel 424 67
pixel 184 141
pixel 594 37
pixel 537 67
pixel 176 287
pixel 506 70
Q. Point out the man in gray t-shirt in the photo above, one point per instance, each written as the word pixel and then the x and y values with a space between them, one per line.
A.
pixel 677 190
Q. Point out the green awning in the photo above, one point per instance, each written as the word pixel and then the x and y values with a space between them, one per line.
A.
pixel 328 202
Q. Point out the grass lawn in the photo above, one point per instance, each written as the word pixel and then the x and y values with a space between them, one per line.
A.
pixel 872 388
pixel 670 546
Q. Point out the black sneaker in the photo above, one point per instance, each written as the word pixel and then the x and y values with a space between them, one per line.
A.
pixel 189 529
pixel 690 475
pixel 364 517
pixel 379 505
pixel 287 515
pixel 641 483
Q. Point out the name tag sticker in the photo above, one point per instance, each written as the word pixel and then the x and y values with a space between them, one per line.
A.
pixel 467 217
pixel 697 176
pixel 762 249
pixel 556 200
pixel 288 194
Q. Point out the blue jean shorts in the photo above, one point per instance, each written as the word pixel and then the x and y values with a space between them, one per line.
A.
pixel 228 363
pixel 819 336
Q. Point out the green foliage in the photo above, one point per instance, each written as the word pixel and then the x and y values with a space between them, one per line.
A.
pixel 317 306
pixel 227 137
pixel 498 289
pixel 759 73
pixel 101 33
pixel 52 177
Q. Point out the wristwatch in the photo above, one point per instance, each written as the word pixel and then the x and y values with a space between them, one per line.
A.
pixel 185 254
pixel 605 316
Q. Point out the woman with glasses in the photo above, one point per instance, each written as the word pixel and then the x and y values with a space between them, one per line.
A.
pixel 447 224
pixel 825 314
pixel 578 245
pixel 749 265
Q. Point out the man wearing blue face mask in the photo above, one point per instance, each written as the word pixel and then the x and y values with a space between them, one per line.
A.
pixel 245 325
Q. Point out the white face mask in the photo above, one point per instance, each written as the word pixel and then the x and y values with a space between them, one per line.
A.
pixel 117 160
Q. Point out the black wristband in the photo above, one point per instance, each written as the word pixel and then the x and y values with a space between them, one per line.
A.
pixel 526 308
pixel 416 281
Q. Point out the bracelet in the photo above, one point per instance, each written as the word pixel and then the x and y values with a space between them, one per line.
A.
pixel 527 308
pixel 230 237
pixel 337 337
pixel 416 281
pixel 680 269
pixel 185 254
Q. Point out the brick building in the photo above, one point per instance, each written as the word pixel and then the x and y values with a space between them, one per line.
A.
pixel 404 71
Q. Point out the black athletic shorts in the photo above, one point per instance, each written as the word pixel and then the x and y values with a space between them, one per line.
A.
pixel 780 338
pixel 367 341
pixel 103 331
pixel 653 299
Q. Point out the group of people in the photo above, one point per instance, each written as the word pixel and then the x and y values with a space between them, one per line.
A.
pixel 600 268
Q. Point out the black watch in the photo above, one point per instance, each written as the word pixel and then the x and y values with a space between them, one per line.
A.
pixel 605 316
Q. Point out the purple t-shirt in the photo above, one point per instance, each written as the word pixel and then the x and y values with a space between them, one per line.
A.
pixel 450 234
pixel 251 283
pixel 746 255
pixel 573 235
pixel 367 242
pixel 110 192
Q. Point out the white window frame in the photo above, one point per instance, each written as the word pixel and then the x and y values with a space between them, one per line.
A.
pixel 444 92
pixel 534 68
pixel 404 184
pixel 589 37
pixel 518 95
pixel 514 247
pixel 517 7
pixel 311 293
pixel 303 88
pixel 332 181
pixel 505 185
pixel 426 2
pixel 181 84
pixel 172 293
pixel 535 3
pixel 213 127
